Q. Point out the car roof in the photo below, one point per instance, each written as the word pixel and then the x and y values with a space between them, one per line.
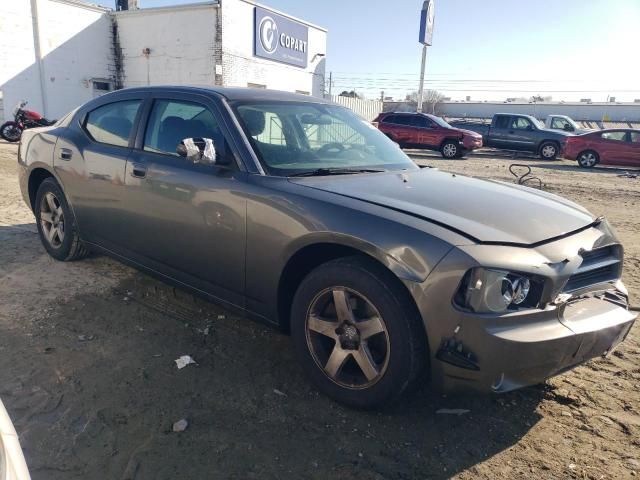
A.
pixel 230 93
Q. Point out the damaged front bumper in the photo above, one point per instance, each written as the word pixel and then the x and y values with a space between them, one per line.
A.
pixel 525 349
pixel 574 322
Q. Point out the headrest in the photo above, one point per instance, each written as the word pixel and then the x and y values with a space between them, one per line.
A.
pixel 254 120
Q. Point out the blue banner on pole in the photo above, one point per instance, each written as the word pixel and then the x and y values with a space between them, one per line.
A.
pixel 426 22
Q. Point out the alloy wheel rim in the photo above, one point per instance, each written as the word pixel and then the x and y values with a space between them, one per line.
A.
pixel 347 338
pixel 450 150
pixel 549 151
pixel 52 219
pixel 588 159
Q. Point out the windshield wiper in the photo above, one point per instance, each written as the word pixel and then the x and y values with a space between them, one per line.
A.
pixel 321 172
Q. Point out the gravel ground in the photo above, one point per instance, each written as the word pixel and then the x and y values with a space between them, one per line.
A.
pixel 87 372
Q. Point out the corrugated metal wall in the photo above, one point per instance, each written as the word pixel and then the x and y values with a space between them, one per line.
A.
pixel 367 109
pixel 612 112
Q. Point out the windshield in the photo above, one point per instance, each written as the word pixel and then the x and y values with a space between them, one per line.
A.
pixel 292 138
pixel 440 121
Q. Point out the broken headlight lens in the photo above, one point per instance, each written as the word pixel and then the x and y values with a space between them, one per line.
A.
pixel 495 291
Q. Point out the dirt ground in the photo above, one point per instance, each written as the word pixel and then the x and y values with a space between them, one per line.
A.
pixel 87 373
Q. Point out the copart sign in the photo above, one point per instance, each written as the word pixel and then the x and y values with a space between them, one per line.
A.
pixel 281 39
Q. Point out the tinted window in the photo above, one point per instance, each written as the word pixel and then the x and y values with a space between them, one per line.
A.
pixel 112 123
pixel 420 121
pixel 520 123
pixel 389 119
pixel 502 122
pixel 402 120
pixel 172 121
pixel 616 136
pixel 635 137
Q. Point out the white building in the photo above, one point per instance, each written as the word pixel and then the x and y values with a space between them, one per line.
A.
pixel 58 54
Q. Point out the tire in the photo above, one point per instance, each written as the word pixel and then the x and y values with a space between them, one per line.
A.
pixel 549 151
pixel 56 223
pixel 10 132
pixel 588 159
pixel 396 345
pixel 450 150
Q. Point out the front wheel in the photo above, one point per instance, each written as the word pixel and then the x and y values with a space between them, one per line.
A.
pixel 549 151
pixel 450 150
pixel 588 159
pixel 356 332
pixel 10 131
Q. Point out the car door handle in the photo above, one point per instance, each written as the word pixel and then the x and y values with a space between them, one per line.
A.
pixel 139 171
pixel 65 154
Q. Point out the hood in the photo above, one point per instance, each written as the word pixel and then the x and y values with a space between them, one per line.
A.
pixel 483 211
pixel 558 133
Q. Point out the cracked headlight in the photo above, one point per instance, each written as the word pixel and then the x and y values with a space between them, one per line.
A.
pixel 486 290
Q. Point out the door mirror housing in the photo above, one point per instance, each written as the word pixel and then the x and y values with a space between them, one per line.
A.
pixel 201 150
pixel 568 128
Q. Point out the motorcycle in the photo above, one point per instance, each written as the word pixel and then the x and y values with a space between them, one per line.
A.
pixel 22 120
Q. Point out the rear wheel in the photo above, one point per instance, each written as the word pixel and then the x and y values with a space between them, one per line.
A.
pixel 356 334
pixel 450 149
pixel 588 159
pixel 549 151
pixel 56 223
pixel 10 131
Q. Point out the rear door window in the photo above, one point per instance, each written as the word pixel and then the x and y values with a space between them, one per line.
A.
pixel 635 137
pixel 112 123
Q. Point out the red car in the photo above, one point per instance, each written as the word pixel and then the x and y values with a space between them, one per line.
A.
pixel 420 130
pixel 608 147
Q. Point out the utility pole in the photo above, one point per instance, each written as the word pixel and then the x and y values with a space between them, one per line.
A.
pixel 422 69
pixel 426 39
pixel 330 82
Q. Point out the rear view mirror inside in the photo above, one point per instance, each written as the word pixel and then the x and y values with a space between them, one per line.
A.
pixel 309 119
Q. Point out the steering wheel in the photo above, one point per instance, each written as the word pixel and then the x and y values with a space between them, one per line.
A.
pixel 331 147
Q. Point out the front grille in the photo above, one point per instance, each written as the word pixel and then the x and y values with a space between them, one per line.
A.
pixel 598 266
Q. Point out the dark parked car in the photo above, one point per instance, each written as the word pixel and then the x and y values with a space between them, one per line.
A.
pixel 300 213
pixel 519 132
pixel 420 130
pixel 608 147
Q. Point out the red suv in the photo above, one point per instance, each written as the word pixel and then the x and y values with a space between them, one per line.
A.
pixel 420 130
pixel 608 147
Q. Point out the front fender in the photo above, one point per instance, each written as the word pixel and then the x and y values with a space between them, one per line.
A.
pixel 404 261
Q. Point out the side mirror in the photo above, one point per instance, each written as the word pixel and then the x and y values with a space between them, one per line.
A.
pixel 568 128
pixel 529 127
pixel 201 150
